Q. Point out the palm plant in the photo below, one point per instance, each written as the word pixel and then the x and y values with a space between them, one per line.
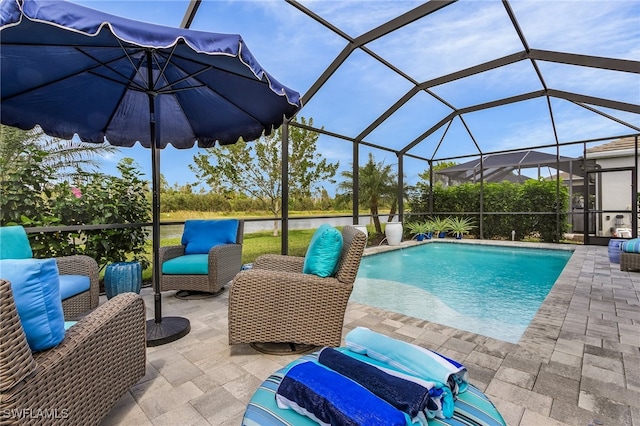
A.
pixel 418 229
pixel 377 184
pixel 430 227
pixel 67 158
pixel 441 225
pixel 461 225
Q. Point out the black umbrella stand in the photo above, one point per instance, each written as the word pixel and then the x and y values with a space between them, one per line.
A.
pixel 168 329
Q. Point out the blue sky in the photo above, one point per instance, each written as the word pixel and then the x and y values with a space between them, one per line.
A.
pixel 296 50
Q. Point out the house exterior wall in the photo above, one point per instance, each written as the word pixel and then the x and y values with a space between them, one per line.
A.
pixel 614 190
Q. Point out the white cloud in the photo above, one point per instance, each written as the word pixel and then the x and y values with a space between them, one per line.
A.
pixel 599 28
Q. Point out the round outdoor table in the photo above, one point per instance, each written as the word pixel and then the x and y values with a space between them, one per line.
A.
pixel 122 277
pixel 471 407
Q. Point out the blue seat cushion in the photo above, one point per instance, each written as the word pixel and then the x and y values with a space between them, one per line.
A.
pixel 36 291
pixel 14 243
pixel 199 236
pixel 323 252
pixel 189 264
pixel 71 285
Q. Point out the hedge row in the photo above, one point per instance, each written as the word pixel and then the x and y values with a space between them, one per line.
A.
pixel 532 207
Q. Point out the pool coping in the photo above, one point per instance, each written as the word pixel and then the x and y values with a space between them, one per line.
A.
pixel 577 363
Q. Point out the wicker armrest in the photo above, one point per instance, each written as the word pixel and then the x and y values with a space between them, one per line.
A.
pixel 81 265
pixel 170 252
pixel 99 359
pixel 225 260
pixel 77 265
pixel 278 262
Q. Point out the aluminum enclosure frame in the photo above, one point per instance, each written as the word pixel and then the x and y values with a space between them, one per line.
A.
pixel 529 54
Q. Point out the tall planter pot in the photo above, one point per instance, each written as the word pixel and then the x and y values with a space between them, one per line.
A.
pixel 393 232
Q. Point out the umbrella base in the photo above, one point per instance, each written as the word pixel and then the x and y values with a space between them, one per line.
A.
pixel 169 329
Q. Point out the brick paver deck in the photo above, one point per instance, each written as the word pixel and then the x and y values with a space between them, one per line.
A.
pixel 578 362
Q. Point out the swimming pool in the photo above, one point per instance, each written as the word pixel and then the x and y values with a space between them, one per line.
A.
pixel 490 290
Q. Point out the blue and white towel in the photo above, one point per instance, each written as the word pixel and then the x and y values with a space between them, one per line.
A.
pixel 412 359
pixel 418 398
pixel 631 246
pixel 329 398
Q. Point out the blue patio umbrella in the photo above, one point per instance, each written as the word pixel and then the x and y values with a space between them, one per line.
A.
pixel 74 70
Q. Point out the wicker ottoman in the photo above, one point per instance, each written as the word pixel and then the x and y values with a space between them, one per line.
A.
pixel 471 408
pixel 629 261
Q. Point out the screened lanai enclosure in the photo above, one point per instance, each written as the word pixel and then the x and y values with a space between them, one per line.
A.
pixel 458 92
pixel 505 90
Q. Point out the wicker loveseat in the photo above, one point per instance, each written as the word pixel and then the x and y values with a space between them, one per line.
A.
pixel 274 302
pixel 78 381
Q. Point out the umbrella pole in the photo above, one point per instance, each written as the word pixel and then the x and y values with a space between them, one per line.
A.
pixel 159 330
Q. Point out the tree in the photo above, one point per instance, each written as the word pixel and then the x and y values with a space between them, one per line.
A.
pixel 32 194
pixel 438 179
pixel 68 159
pixel 377 184
pixel 104 199
pixel 255 168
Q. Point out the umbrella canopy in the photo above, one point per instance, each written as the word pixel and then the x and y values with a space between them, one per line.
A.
pixel 74 70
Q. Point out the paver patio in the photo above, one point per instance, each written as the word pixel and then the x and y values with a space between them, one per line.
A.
pixel 578 362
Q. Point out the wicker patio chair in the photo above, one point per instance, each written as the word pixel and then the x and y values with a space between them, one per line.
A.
pixel 224 262
pixel 82 303
pixel 78 381
pixel 629 261
pixel 73 306
pixel 274 302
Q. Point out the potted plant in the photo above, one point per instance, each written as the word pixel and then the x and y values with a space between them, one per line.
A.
pixel 460 226
pixel 418 229
pixel 430 228
pixel 441 226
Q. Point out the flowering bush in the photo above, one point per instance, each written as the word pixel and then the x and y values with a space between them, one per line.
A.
pixel 32 199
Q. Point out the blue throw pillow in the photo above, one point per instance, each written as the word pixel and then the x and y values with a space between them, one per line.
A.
pixel 36 291
pixel 14 243
pixel 200 235
pixel 631 246
pixel 323 252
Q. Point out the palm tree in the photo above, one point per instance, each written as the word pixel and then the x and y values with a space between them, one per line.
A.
pixel 66 157
pixel 377 184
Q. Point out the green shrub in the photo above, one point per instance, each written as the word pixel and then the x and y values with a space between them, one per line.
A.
pixel 530 207
pixel 96 199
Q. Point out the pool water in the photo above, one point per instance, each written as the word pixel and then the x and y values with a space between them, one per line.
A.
pixel 494 291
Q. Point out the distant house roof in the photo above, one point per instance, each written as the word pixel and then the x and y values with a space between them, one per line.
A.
pixel 617 145
pixel 499 167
